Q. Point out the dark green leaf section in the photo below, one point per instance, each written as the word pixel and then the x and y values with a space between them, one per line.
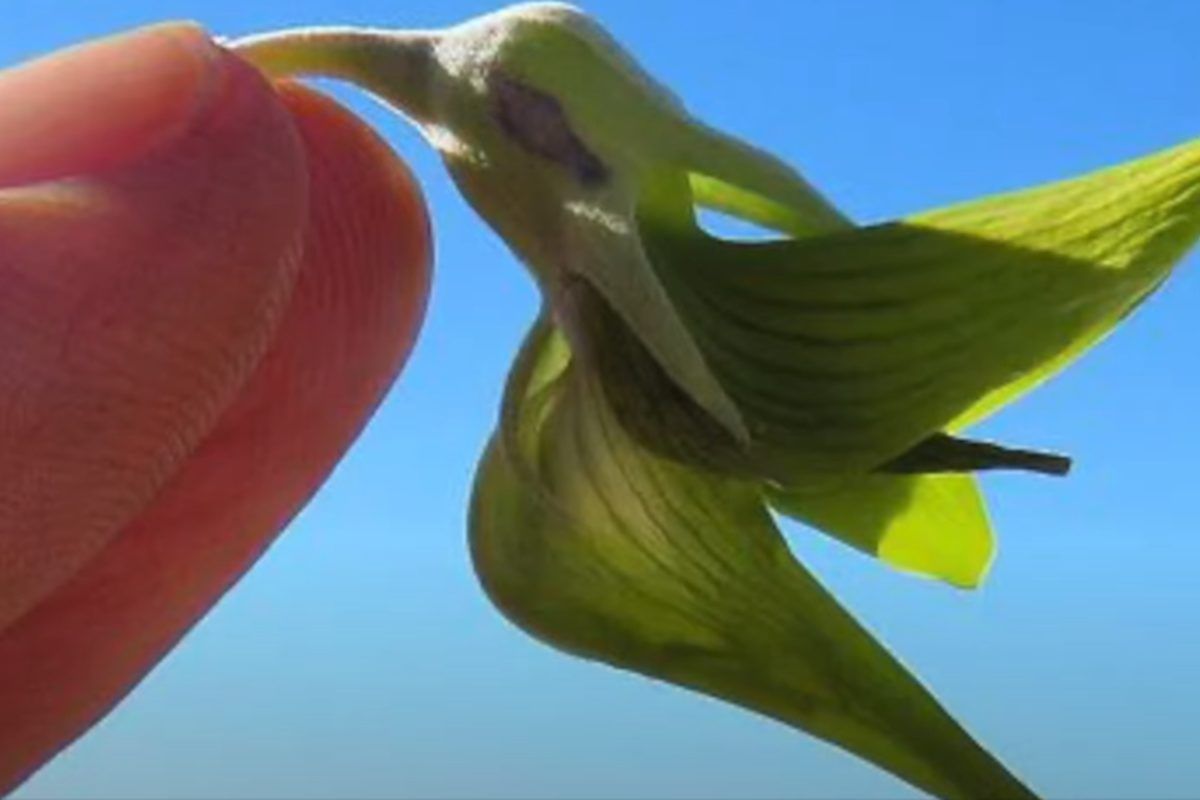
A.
pixel 931 525
pixel 843 351
pixel 942 453
pixel 602 548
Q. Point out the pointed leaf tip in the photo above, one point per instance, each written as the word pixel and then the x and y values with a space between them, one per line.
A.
pixel 843 351
pixel 600 547
pixel 931 525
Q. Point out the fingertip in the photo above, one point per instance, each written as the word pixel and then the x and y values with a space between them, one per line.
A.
pixel 97 105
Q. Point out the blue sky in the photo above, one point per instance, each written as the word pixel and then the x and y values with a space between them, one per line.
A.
pixel 360 659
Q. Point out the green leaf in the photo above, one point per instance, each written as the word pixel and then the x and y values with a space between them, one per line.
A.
pixel 728 175
pixel 843 351
pixel 933 525
pixel 597 546
pixel 602 250
pixel 547 127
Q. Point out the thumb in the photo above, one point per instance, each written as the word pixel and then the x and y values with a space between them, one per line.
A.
pixel 97 105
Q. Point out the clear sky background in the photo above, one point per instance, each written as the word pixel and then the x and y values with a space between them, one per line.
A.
pixel 360 659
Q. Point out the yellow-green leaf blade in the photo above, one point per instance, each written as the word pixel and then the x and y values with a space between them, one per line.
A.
pixel 599 547
pixel 1137 220
pixel 842 351
pixel 932 525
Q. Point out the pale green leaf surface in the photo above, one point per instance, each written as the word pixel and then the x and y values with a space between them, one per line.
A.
pixel 932 525
pixel 730 176
pixel 710 192
pixel 597 546
pixel 613 261
pixel 844 350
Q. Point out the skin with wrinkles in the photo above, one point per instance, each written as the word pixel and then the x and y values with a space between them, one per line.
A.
pixel 183 284
pixel 124 341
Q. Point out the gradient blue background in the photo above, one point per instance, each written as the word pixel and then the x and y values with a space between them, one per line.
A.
pixel 360 659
